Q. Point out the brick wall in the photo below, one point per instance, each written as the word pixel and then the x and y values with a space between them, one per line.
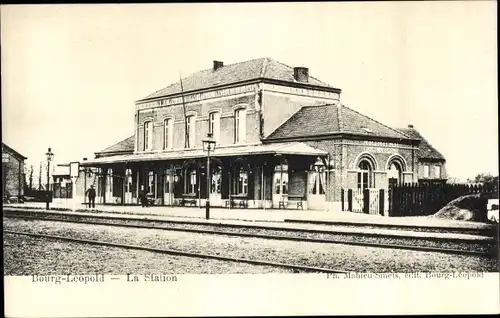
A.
pixel 345 154
pixel 432 166
pixel 201 109
pixel 13 175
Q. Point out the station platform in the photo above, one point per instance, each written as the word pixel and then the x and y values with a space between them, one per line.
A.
pixel 311 217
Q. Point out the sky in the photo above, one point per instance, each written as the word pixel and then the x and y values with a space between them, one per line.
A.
pixel 71 73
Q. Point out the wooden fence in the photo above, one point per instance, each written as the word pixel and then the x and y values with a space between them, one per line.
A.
pixel 427 199
pixel 409 199
pixel 369 201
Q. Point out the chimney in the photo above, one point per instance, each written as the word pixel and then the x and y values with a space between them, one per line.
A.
pixel 301 74
pixel 217 65
pixel 410 126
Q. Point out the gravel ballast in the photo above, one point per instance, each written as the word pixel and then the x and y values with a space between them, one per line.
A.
pixel 25 255
pixel 426 241
pixel 334 256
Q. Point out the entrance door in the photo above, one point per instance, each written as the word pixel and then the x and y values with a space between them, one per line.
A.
pixel 215 187
pixel 128 186
pixel 109 187
pixel 316 190
pixel 168 190
pixel 280 189
pixel 280 184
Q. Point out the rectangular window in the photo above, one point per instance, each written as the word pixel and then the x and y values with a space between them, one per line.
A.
pixel 168 137
pixel 240 126
pixel 148 136
pixel 426 171
pixel 191 125
pixel 214 125
pixel 438 172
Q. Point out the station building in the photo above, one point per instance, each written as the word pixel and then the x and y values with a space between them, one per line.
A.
pixel 283 140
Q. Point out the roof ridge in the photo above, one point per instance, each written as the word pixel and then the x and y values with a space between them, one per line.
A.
pixel 378 122
pixel 309 75
pixel 340 117
pixel 404 130
pixel 13 150
pixel 199 71
pixel 119 142
pixel 287 119
pixel 295 113
pixel 264 67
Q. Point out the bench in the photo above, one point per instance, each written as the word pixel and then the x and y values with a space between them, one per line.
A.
pixel 298 199
pixel 282 204
pixel 242 203
pixel 185 202
pixel 151 200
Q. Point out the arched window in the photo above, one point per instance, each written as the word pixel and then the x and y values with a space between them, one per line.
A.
pixel 216 182
pixel 395 171
pixel 240 180
pixel 148 136
pixel 109 185
pixel 365 174
pixel 168 134
pixel 317 178
pixel 240 125
pixel 151 182
pixel 128 175
pixel 281 177
pixel 395 167
pixel 190 179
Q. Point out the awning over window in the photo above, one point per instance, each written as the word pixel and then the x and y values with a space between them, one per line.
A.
pixel 291 148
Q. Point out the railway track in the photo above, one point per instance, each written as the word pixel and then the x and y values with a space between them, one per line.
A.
pixel 426 244
pixel 297 268
pixel 491 230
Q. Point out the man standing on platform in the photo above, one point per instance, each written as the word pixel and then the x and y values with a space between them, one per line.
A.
pixel 143 197
pixel 91 195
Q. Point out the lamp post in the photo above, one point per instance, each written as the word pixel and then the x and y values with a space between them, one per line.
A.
pixel 50 156
pixel 208 145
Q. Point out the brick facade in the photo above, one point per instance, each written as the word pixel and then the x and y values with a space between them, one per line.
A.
pixel 345 154
pixel 226 107
pixel 13 174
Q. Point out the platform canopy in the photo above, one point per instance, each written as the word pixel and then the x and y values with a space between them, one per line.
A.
pixel 290 148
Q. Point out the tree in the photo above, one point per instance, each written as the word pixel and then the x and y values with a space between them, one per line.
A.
pixel 31 177
pixel 487 179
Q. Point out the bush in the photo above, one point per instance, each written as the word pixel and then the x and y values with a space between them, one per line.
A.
pixel 471 207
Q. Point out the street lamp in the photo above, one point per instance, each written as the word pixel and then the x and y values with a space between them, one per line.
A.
pixel 50 156
pixel 208 145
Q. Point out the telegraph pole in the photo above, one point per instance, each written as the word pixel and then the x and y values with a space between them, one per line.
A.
pixel 40 178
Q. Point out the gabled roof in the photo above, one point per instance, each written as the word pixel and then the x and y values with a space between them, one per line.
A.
pixel 122 147
pixel 425 149
pixel 262 68
pixel 12 151
pixel 332 119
